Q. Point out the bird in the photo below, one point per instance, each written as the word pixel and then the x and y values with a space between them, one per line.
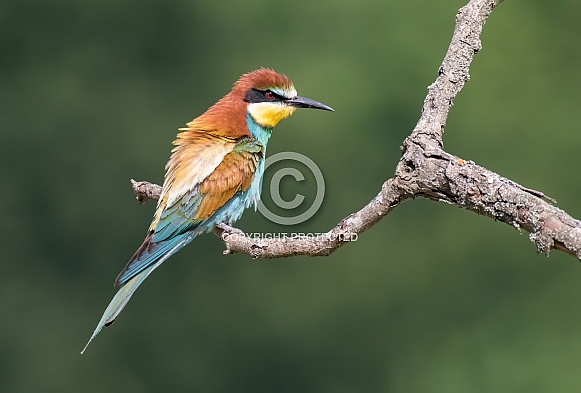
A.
pixel 214 173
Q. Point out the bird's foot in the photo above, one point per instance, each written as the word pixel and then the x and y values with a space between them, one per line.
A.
pixel 223 231
pixel 229 229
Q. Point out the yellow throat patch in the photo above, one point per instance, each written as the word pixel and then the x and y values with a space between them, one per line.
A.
pixel 268 114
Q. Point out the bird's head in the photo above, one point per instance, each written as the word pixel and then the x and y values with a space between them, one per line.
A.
pixel 272 97
pixel 264 95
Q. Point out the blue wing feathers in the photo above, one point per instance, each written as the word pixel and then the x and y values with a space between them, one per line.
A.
pixel 178 218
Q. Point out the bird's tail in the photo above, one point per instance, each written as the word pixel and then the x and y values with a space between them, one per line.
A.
pixel 123 295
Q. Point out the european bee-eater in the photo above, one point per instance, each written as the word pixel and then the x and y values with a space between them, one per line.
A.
pixel 214 173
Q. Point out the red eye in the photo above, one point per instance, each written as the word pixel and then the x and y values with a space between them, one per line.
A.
pixel 269 94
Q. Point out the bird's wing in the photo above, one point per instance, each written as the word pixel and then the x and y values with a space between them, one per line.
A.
pixel 195 205
pixel 234 173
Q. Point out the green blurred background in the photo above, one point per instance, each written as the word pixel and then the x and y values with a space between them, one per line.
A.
pixel 432 299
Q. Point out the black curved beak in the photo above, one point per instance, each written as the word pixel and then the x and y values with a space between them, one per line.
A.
pixel 302 102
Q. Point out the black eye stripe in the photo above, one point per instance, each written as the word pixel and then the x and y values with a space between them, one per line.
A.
pixel 255 95
pixel 277 97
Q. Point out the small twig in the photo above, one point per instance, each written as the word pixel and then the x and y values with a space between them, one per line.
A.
pixel 144 191
pixel 538 194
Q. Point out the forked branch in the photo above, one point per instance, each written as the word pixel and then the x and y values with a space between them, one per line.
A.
pixel 426 170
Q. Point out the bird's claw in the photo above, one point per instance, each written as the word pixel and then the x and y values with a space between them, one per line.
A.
pixel 229 229
pixel 223 231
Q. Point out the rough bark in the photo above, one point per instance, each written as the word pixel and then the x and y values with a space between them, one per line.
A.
pixel 426 170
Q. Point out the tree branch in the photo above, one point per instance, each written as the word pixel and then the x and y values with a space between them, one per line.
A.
pixel 426 170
